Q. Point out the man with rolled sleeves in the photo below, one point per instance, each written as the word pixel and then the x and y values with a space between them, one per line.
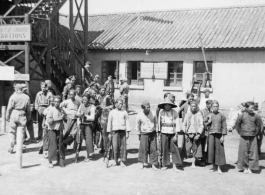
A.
pixel 18 111
pixel 41 103
pixel 29 120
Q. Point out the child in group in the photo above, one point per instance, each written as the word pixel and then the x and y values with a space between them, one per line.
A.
pixel 217 132
pixel 55 132
pixel 249 126
pixel 193 126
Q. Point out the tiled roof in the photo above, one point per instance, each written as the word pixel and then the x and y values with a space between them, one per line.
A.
pixel 233 27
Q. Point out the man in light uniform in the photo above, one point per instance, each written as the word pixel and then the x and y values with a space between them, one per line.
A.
pixel 124 91
pixel 18 110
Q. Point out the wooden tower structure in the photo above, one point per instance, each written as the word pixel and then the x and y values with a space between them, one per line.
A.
pixel 52 51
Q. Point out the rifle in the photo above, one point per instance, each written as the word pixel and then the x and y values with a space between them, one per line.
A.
pixel 60 152
pixel 107 152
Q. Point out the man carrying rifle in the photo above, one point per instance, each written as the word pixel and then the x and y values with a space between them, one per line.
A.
pixel 146 130
pixel 204 137
pixel 55 132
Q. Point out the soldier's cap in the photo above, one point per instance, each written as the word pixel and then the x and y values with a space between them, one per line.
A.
pixel 43 84
pixel 87 62
pixel 67 81
pixel 102 87
pixel 24 86
pixel 206 91
pixel 48 81
pixel 78 86
pixel 18 86
pixel 110 76
pixel 72 77
pixel 123 79
pixel 145 104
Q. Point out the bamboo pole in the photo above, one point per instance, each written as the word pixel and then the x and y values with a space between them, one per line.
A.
pixel 19 149
pixel 3 127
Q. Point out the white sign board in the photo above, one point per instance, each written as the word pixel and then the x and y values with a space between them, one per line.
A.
pixel 159 69
pixel 21 77
pixel 18 32
pixel 7 73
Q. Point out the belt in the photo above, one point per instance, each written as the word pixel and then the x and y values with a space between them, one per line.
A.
pixel 168 125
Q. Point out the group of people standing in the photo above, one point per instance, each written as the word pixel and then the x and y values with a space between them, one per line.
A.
pixel 194 129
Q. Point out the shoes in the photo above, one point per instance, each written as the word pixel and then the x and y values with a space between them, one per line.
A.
pixel 10 150
pixel 50 165
pixel 102 151
pixel 41 150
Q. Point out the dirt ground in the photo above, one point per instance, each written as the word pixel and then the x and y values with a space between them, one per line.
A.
pixel 93 178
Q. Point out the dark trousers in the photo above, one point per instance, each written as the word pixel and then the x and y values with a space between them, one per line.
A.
pixel 40 121
pixel 193 148
pixel 70 131
pixel 204 151
pixel 55 141
pixel 216 151
pixel 45 139
pixel 87 135
pixel 30 129
pixel 148 146
pixel 119 145
pixel 168 145
pixel 96 132
pixel 248 156
pixel 104 134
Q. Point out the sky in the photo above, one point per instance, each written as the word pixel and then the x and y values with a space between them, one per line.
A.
pixel 119 6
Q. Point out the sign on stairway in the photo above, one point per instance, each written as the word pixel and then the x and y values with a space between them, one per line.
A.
pixel 7 74
pixel 18 32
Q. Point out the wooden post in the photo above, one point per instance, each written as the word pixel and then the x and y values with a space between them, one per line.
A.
pixel 48 54
pixel 19 146
pixel 27 53
pixel 3 127
pixel 85 31
pixel 72 32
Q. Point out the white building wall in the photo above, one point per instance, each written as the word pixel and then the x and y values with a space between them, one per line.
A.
pixel 237 75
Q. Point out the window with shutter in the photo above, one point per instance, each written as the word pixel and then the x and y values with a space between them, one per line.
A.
pixel 133 73
pixel 175 71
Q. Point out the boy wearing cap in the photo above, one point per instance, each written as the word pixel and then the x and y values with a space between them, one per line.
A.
pixel 70 84
pixel 18 111
pixel 146 129
pixel 78 95
pixel 41 102
pixel 193 127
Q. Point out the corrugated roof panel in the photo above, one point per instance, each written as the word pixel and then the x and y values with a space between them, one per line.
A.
pixel 235 27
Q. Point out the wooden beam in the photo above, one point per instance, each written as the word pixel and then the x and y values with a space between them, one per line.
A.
pixel 12 8
pixel 12 47
pixel 35 56
pixel 14 56
pixel 40 44
pixel 38 62
pixel 27 54
pixel 86 32
pixel 48 49
pixel 79 14
pixel 37 5
pixel 36 72
pixel 56 10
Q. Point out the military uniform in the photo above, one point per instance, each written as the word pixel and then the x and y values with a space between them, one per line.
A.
pixel 18 111
pixel 124 91
pixel 66 90
pixel 109 87
pixel 41 103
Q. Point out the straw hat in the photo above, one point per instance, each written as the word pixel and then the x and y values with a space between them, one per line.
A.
pixel 167 101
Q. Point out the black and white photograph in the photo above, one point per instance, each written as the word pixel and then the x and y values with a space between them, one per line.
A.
pixel 132 97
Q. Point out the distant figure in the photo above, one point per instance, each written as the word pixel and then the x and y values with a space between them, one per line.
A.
pixel 204 99
pixel 17 113
pixel 41 102
pixel 78 95
pixel 50 88
pixel 87 72
pixel 109 87
pixel 124 91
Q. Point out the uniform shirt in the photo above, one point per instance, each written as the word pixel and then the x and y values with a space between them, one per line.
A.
pixel 19 101
pixel 71 107
pixel 168 122
pixel 118 120
pixel 42 99
pixel 45 112
pixel 53 114
pixel 124 89
pixel 66 90
pixel 109 86
pixel 193 123
pixel 145 123
pixel 218 123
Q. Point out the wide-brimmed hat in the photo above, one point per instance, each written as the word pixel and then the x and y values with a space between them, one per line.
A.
pixel 166 101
